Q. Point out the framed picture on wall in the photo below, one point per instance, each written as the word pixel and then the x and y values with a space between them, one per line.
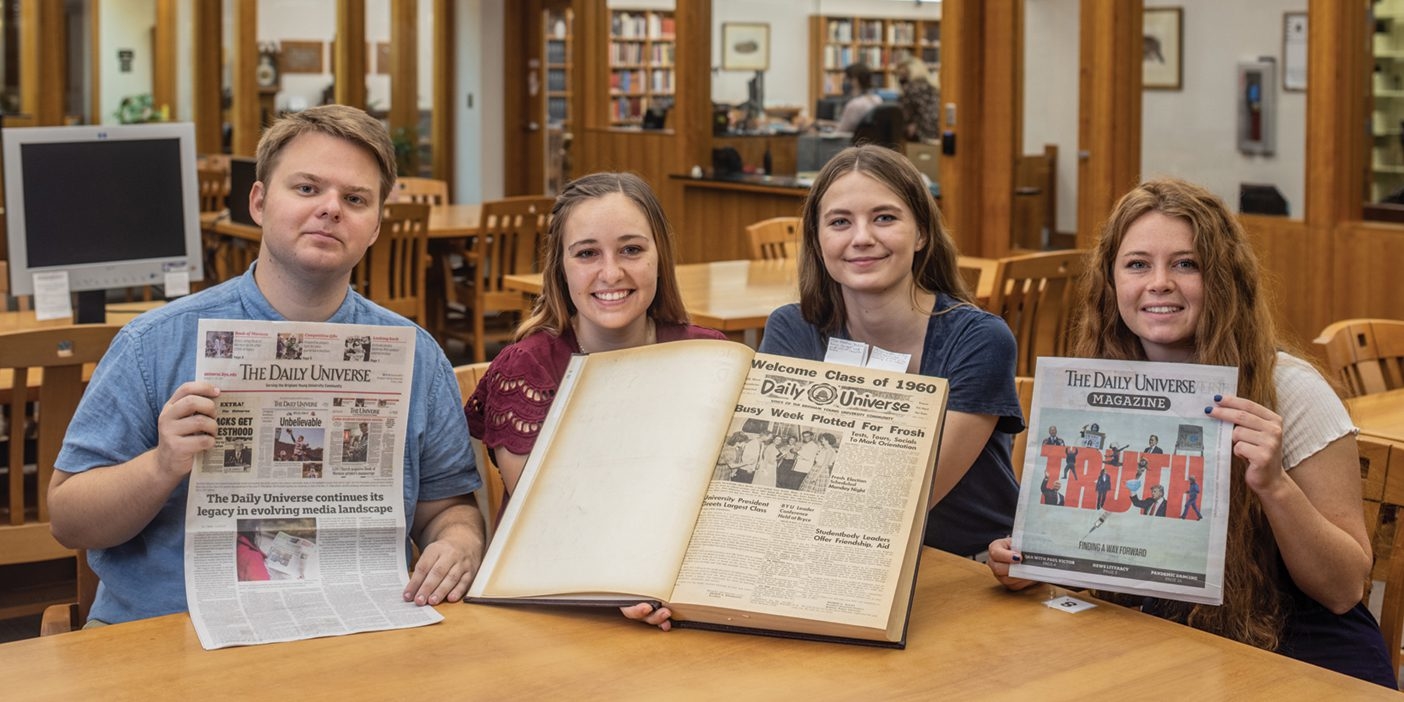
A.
pixel 745 46
pixel 1162 60
pixel 301 57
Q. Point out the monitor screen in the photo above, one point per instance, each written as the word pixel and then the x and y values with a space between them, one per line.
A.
pixel 114 206
pixel 830 108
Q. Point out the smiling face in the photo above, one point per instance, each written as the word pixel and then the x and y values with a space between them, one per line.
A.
pixel 868 236
pixel 611 267
pixel 319 209
pixel 1159 286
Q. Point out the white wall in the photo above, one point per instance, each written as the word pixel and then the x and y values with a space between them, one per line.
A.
pixel 123 25
pixel 787 81
pixel 1191 133
pixel 478 76
pixel 1051 32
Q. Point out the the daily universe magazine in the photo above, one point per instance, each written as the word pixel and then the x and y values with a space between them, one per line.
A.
pixel 1126 479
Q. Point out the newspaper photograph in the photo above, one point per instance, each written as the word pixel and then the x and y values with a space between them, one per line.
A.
pixel 1126 480
pixel 295 523
pixel 811 501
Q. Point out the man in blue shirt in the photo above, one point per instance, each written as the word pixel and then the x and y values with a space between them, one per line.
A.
pixel 120 488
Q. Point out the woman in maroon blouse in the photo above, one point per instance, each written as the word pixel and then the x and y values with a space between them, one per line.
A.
pixel 607 283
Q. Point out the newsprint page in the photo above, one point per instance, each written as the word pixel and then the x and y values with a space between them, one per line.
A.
pixel 1126 479
pixel 295 524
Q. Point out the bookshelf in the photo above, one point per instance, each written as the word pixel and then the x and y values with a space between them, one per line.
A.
pixel 1387 93
pixel 557 25
pixel 642 48
pixel 880 42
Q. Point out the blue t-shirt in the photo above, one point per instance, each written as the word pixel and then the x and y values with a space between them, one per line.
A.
pixel 975 352
pixel 153 355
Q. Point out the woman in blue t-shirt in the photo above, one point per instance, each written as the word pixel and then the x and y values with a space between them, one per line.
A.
pixel 877 266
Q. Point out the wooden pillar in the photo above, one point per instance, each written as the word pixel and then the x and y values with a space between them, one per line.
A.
pixel 350 59
pixel 207 82
pixel 164 62
pixel 1001 137
pixel 961 27
pixel 443 124
pixel 1109 111
pixel 1337 164
pixel 691 116
pixel 244 110
pixel 43 61
pixel 590 68
pixel 404 73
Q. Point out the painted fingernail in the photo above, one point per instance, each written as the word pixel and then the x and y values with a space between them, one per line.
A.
pixel 1207 410
pixel 1016 558
pixel 1218 398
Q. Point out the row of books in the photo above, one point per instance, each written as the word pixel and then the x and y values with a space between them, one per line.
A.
pixel 634 54
pixel 656 80
pixel 634 26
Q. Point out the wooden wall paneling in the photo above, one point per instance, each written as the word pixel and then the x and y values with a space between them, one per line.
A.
pixel 999 146
pixel 717 215
pixel 961 54
pixel 444 108
pixel 349 53
pixel 244 109
pixel 1109 110
pixel 590 79
pixel 1338 71
pixel 1298 287
pixel 43 61
pixel 95 63
pixel 207 57
pixel 404 72
pixel 1367 257
pixel 164 62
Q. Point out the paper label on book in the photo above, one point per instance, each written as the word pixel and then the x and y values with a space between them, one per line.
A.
pixel 52 297
pixel 846 352
pixel 882 359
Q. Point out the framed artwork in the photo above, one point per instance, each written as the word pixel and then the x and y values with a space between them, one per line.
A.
pixel 1162 59
pixel 1294 51
pixel 745 46
pixel 301 57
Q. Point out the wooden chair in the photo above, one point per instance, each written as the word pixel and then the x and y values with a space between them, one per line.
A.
pixel 394 270
pixel 1384 506
pixel 427 191
pixel 1034 294
pixel 1365 355
pixel 1024 386
pixel 492 492
pixel 63 618
pixel 49 362
pixel 214 189
pixel 508 243
pixel 777 237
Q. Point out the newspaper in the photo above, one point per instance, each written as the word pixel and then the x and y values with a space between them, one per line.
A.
pixel 810 510
pixel 295 524
pixel 1126 479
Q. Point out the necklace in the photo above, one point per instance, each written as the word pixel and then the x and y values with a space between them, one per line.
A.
pixel 650 337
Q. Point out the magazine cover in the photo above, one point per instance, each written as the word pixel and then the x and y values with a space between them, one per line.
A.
pixel 1125 480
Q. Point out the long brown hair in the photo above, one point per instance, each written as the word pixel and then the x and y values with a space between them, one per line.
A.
pixel 1235 328
pixel 934 267
pixel 554 308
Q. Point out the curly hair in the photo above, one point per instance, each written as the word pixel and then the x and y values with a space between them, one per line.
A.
pixel 934 268
pixel 1235 328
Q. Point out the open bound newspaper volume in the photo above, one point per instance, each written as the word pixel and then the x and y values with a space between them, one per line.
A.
pixel 1125 481
pixel 745 491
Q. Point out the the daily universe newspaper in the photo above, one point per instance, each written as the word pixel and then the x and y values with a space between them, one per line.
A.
pixel 800 487
pixel 1126 479
pixel 295 524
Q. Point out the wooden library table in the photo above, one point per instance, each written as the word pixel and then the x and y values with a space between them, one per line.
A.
pixel 1379 414
pixel 731 296
pixel 968 639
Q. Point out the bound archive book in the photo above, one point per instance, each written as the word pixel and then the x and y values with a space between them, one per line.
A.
pixel 745 491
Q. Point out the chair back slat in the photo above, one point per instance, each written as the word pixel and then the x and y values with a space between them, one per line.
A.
pixel 1365 355
pixel 1382 483
pixel 509 242
pixel 394 271
pixel 425 191
pixel 1034 295
pixel 774 238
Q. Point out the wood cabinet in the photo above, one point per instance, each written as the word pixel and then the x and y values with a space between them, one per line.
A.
pixel 881 43
pixel 642 48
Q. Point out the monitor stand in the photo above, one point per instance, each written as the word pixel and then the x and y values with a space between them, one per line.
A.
pixel 92 307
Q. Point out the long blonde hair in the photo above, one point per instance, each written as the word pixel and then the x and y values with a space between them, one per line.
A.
pixel 1235 328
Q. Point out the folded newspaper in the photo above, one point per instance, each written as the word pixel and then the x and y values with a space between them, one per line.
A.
pixel 295 520
pixel 1126 479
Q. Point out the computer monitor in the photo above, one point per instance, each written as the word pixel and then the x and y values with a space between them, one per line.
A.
pixel 1261 199
pixel 243 173
pixel 114 206
pixel 830 108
